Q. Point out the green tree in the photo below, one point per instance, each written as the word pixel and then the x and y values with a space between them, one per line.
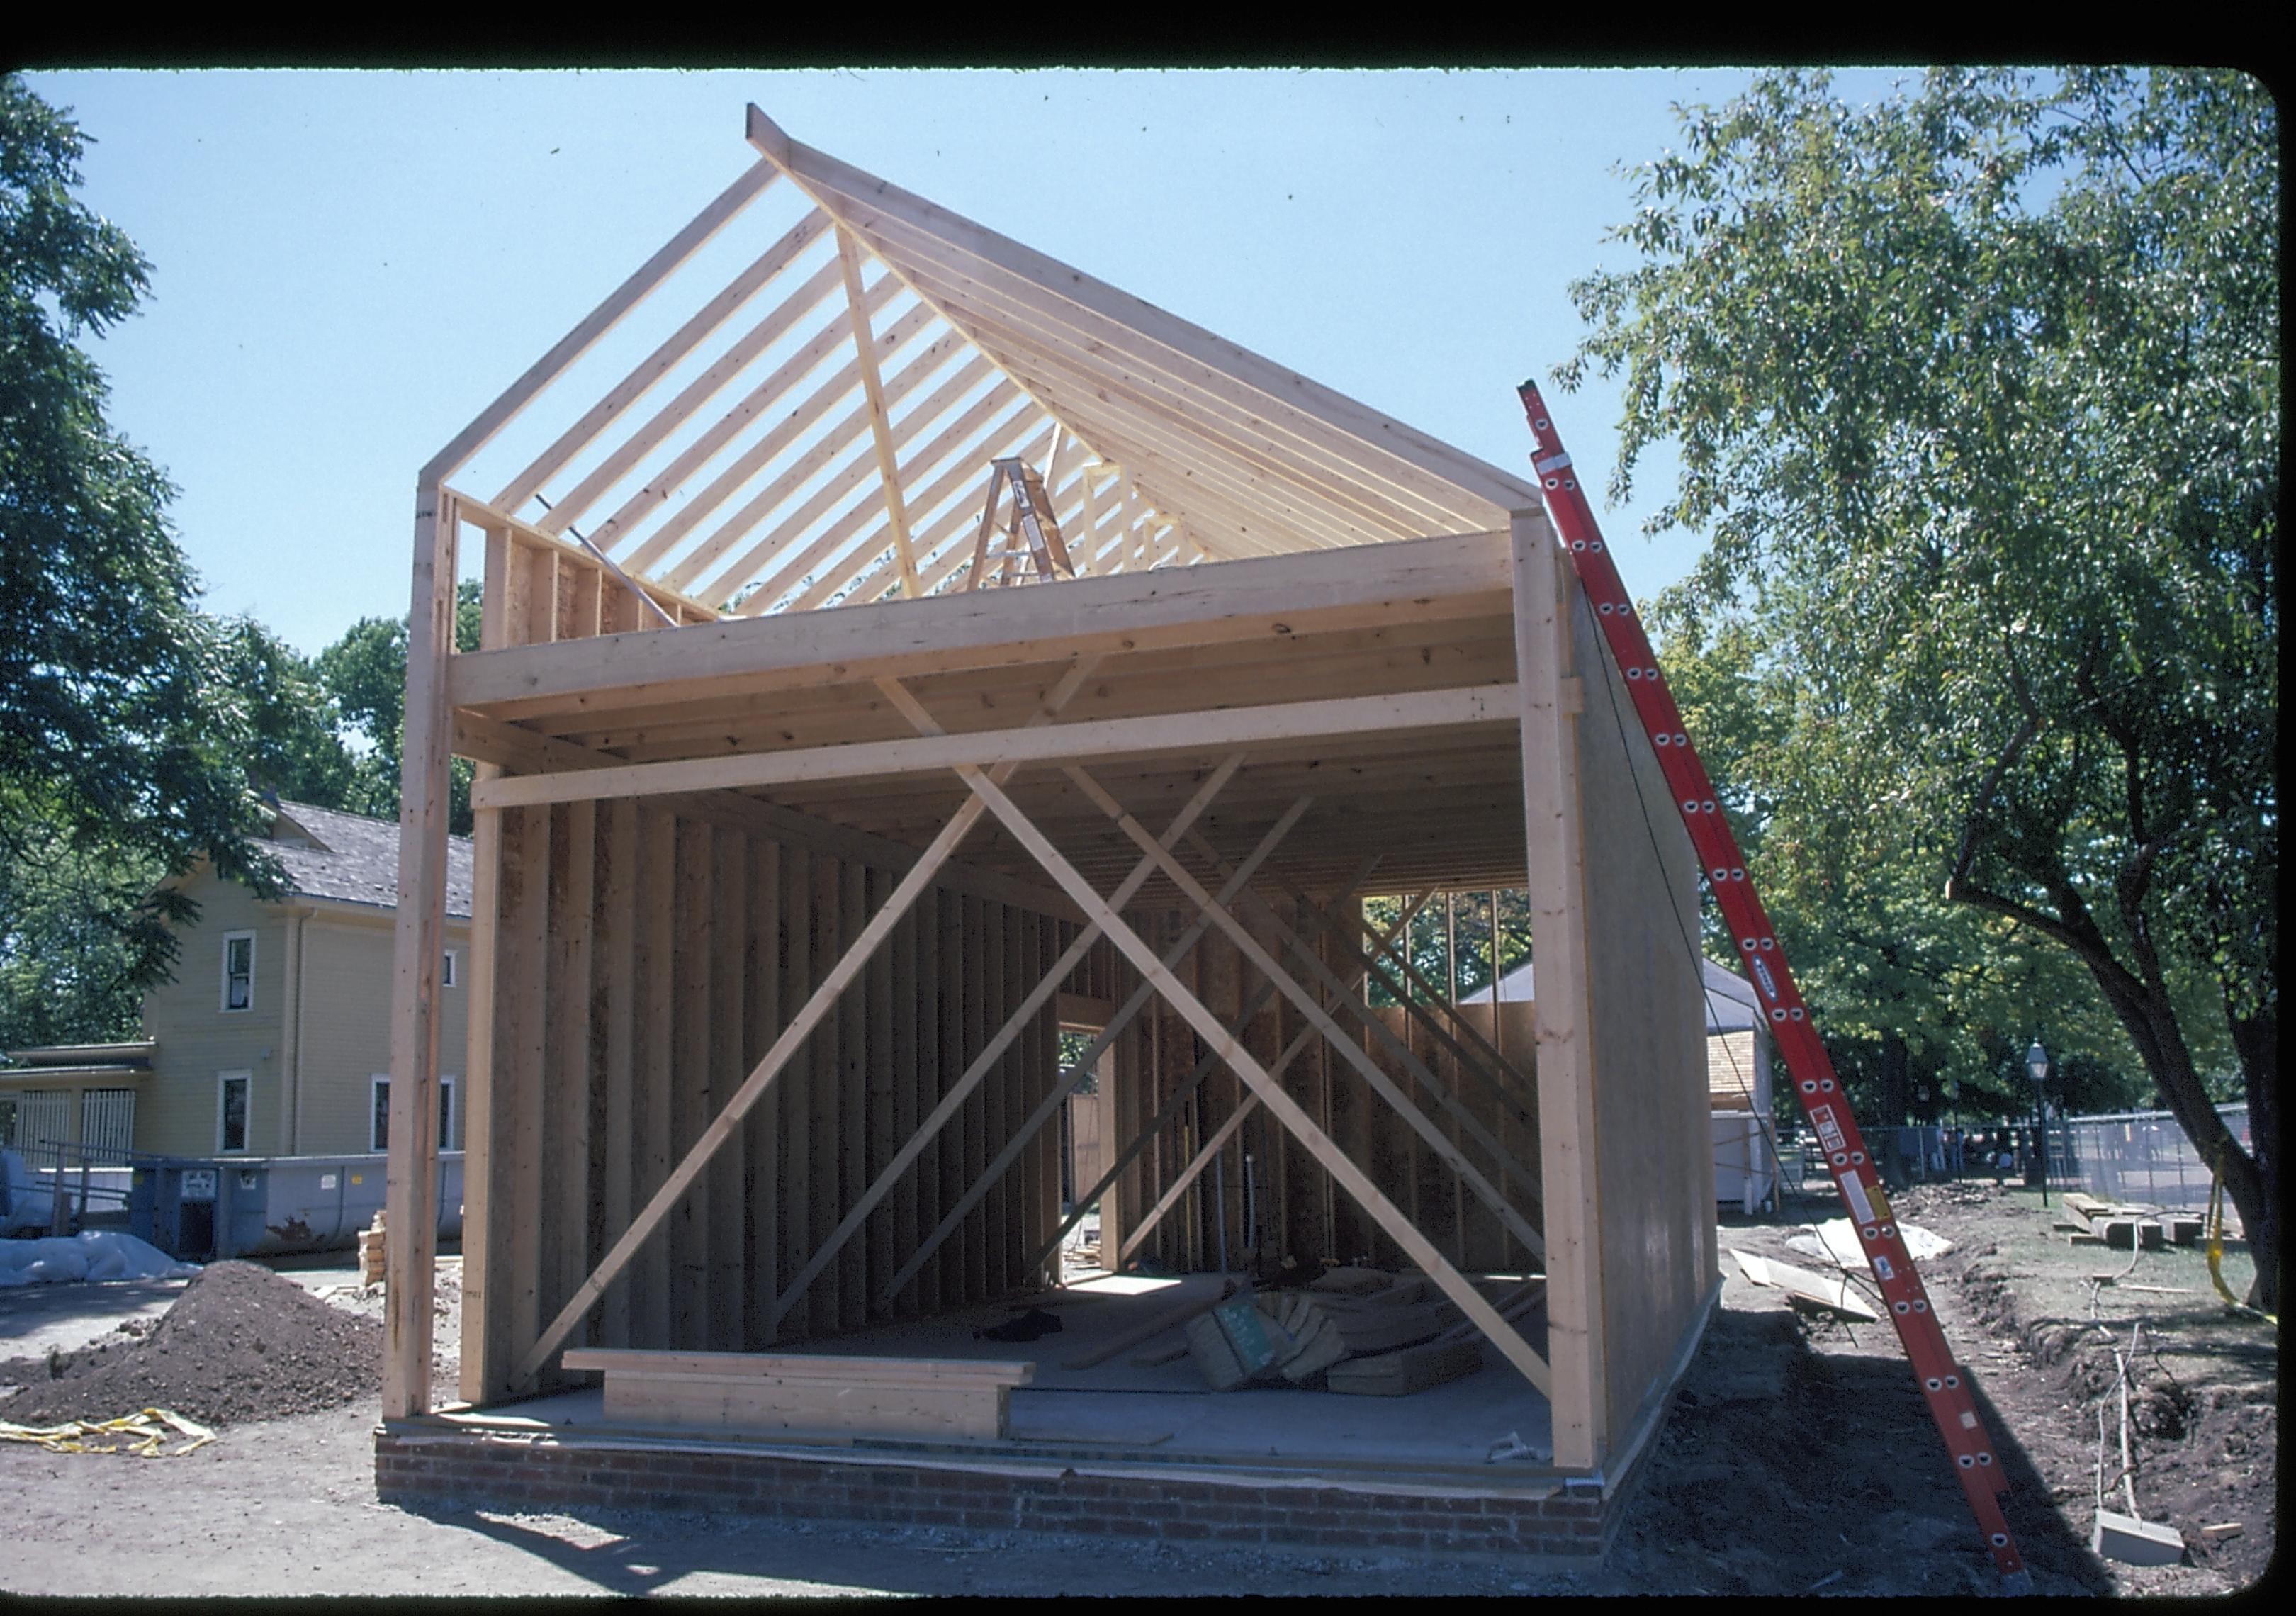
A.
pixel 365 672
pixel 121 747
pixel 1976 391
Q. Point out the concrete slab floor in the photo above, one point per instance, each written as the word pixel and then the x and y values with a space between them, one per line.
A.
pixel 1166 1407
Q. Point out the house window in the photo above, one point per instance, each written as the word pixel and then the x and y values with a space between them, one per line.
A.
pixel 239 970
pixel 451 971
pixel 378 1128
pixel 231 1110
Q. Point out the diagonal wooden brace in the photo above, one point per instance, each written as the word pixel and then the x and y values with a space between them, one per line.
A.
pixel 1187 1085
pixel 993 1050
pixel 1339 995
pixel 1495 1070
pixel 1074 1074
pixel 1353 1052
pixel 1286 1109
pixel 1212 1147
pixel 792 1037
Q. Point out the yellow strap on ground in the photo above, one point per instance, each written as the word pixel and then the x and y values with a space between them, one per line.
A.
pixel 2215 1249
pixel 140 1434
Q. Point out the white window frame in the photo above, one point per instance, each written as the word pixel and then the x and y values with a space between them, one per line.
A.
pixel 222 997
pixel 450 974
pixel 450 1111
pixel 223 1081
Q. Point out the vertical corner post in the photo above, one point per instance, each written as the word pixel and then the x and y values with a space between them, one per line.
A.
pixel 418 947
pixel 1554 863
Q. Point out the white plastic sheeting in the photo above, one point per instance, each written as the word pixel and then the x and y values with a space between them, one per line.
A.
pixel 93 1256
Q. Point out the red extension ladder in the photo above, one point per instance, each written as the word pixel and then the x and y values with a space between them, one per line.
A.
pixel 1821 1096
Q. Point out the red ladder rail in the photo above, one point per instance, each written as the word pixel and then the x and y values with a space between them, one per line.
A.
pixel 1942 1383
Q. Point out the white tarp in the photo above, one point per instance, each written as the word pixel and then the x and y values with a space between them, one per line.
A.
pixel 94 1255
pixel 1837 1241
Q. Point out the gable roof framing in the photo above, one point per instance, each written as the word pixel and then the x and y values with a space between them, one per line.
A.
pixel 829 449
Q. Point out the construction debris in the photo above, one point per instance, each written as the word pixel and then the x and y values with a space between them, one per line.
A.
pixel 1837 1241
pixel 1357 1329
pixel 370 1251
pixel 145 1431
pixel 1800 1284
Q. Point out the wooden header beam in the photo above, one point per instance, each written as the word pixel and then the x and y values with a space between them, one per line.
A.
pixel 1186 732
pixel 1275 596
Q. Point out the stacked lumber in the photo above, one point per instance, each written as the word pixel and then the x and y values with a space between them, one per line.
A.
pixel 370 1251
pixel 2089 1221
pixel 1357 1330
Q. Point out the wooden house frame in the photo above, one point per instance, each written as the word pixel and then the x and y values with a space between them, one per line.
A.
pixel 792 845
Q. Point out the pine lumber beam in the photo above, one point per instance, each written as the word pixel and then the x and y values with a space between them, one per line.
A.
pixel 1349 1050
pixel 1286 1110
pixel 881 429
pixel 1554 860
pixel 990 1054
pixel 1188 1085
pixel 792 1037
pixel 1412 582
pixel 600 320
pixel 1214 731
pixel 418 947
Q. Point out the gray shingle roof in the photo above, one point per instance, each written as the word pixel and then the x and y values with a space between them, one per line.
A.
pixel 357 860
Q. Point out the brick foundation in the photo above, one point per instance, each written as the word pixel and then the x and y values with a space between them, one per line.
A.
pixel 418 1463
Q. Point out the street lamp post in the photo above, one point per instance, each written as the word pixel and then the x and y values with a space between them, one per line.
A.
pixel 2037 1067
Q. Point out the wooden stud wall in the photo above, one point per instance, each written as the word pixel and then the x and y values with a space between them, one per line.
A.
pixel 638 957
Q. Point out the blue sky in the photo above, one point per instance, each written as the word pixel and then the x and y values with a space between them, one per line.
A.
pixel 349 266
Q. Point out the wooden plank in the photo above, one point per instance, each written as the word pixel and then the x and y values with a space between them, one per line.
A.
pixel 1552 827
pixel 1115 1235
pixel 1265 598
pixel 656 1045
pixel 848 257
pixel 524 1007
pixel 640 380
pixel 687 1223
pixel 418 945
pixel 565 1088
pixel 809 1405
pixel 771 393
pixel 1350 1049
pixel 728 1064
pixel 1271 1094
pixel 617 945
pixel 828 918
pixel 838 1370
pixel 1198 732
pixel 852 1111
pixel 793 1036
pixel 912 1096
pixel 949 1101
pixel 986 1173
pixel 800 927
pixel 761 1153
pixel 602 319
pixel 1226 374
pixel 1409 1059
pixel 615 467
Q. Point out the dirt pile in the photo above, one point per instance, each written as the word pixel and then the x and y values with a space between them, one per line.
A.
pixel 241 1344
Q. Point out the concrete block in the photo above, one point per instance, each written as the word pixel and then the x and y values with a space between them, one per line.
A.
pixel 2186 1230
pixel 2127 1234
pixel 2134 1542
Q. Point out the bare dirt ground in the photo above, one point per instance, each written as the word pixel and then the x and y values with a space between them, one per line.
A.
pixel 1798 1458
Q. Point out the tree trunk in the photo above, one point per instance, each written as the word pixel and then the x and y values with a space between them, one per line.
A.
pixel 2257 1038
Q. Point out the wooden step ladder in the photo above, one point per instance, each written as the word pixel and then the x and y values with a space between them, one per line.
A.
pixel 1032 533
